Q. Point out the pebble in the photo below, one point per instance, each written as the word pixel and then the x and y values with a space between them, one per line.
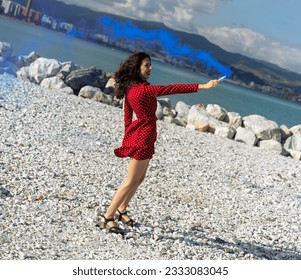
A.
pixel 204 197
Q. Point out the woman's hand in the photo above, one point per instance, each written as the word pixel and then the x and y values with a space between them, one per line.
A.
pixel 209 85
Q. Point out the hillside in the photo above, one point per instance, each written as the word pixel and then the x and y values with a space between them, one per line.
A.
pixel 260 75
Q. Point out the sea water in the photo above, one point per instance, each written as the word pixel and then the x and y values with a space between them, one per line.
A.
pixel 51 44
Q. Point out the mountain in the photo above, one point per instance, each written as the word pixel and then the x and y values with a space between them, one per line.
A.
pixel 258 74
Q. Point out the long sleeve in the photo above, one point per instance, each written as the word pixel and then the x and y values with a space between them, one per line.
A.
pixel 128 114
pixel 171 89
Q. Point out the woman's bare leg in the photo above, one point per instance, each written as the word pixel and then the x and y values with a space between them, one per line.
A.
pixel 136 169
pixel 133 190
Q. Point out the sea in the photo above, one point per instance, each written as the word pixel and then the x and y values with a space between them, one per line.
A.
pixel 26 38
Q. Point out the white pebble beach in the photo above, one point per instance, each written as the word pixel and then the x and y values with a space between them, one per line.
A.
pixel 204 197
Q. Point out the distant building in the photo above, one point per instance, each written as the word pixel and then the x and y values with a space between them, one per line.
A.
pixel 33 16
pixel 8 7
pixel 18 11
pixel 11 8
pixel 65 27
pixel 49 22
pixel 101 37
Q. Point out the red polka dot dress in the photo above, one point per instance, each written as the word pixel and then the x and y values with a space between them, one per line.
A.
pixel 140 135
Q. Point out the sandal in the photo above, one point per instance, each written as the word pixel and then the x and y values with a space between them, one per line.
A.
pixel 113 228
pixel 118 216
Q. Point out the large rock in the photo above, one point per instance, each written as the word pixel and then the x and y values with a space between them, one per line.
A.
pixel 182 110
pixel 246 136
pixel 272 146
pixel 67 68
pixel 293 143
pixel 43 68
pixel 198 118
pixel 159 111
pixel 202 120
pixel 263 128
pixel 169 112
pixel 285 133
pixel 225 132
pixel 165 102
pixel 296 130
pixel 56 83
pixel 96 94
pixel 92 76
pixel 25 60
pixel 6 50
pixel 216 111
pixel 233 119
pixel 295 154
pixel 109 87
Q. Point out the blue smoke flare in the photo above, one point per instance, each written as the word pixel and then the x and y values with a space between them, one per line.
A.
pixel 169 43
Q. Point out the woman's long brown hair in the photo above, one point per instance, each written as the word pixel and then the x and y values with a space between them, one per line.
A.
pixel 128 73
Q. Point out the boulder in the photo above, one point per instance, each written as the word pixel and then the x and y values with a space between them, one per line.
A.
pixel 272 146
pixel 6 50
pixel 233 119
pixel 225 131
pixel 202 120
pixel 246 136
pixel 169 112
pixel 25 60
pixel 92 76
pixel 165 102
pixel 66 68
pixel 263 128
pixel 56 83
pixel 159 111
pixel 96 94
pixel 295 154
pixel 109 87
pixel 43 68
pixel 216 111
pixel 180 121
pixel 296 130
pixel 23 73
pixel 90 92
pixel 177 121
pixel 285 133
pixel 182 110
pixel 293 143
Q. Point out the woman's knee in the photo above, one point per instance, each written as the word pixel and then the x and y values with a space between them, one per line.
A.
pixel 130 183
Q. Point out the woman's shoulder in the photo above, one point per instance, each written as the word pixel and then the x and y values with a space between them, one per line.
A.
pixel 138 87
pixel 142 84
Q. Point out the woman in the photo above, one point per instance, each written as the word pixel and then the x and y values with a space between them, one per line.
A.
pixel 140 135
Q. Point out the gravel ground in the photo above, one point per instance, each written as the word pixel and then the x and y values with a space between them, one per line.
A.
pixel 204 197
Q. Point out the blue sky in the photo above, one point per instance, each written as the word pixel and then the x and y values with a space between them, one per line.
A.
pixel 262 29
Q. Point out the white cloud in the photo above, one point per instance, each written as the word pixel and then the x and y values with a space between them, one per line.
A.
pixel 256 45
pixel 233 39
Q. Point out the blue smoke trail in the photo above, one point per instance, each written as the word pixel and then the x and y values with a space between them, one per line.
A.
pixel 169 42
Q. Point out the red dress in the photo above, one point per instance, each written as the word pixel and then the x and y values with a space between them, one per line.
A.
pixel 140 135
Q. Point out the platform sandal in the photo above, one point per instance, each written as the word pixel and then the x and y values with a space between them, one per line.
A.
pixel 119 216
pixel 113 228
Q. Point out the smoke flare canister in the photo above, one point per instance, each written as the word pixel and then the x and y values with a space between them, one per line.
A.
pixel 222 78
